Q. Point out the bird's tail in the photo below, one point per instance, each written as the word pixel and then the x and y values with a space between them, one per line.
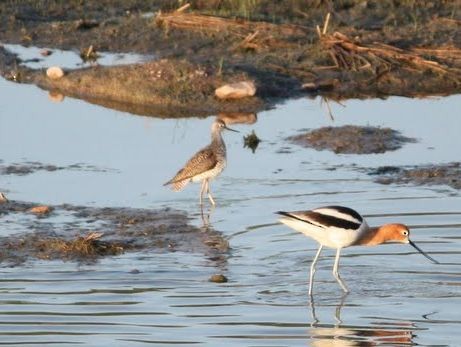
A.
pixel 178 185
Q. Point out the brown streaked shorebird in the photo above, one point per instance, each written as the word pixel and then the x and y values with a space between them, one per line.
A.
pixel 206 164
pixel 3 198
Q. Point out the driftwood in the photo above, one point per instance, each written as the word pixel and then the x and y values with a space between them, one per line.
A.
pixel 349 55
pixel 443 53
pixel 251 35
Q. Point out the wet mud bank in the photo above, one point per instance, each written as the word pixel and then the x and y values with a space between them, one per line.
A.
pixel 26 168
pixel 350 139
pixel 362 49
pixel 172 87
pixel 85 234
pixel 444 174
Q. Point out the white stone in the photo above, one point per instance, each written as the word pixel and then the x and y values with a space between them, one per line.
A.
pixel 236 90
pixel 54 72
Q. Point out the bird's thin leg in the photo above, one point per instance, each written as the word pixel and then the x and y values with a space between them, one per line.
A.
pixel 311 277
pixel 336 273
pixel 202 190
pixel 209 193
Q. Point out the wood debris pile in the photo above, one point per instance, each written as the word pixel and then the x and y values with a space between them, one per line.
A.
pixel 251 35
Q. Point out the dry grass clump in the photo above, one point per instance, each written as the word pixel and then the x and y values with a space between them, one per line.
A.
pixel 250 35
pixel 81 247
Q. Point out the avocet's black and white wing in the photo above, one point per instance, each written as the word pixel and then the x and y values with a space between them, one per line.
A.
pixel 329 216
pixel 332 226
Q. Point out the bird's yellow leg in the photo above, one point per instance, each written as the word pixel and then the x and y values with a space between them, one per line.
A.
pixel 202 190
pixel 209 193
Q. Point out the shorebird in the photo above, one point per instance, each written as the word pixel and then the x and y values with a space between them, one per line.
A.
pixel 3 197
pixel 339 227
pixel 205 165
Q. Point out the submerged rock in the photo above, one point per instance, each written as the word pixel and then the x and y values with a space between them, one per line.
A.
pixel 350 139
pixel 218 278
pixel 40 210
pixel 46 52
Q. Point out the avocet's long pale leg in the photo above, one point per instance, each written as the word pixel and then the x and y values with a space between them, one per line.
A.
pixel 209 192
pixel 202 190
pixel 328 223
pixel 336 273
pixel 311 277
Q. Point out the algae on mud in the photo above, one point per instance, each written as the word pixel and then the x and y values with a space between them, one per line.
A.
pixel 349 139
pixel 442 174
pixel 26 168
pixel 274 44
pixel 96 232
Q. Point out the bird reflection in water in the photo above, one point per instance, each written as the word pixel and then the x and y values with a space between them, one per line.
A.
pixel 343 335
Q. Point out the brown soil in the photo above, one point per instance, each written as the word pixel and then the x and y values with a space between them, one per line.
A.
pixel 369 49
pixel 444 174
pixel 159 87
pixel 97 232
pixel 351 139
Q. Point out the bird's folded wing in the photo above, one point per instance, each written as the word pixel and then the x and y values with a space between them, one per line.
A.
pixel 201 162
pixel 327 217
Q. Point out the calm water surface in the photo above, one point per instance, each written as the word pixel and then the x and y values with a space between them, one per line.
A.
pixel 398 297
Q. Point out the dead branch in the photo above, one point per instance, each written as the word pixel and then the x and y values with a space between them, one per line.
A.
pixel 350 55
pixel 252 34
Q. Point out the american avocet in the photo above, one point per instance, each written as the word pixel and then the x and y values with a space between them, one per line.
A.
pixel 206 164
pixel 340 227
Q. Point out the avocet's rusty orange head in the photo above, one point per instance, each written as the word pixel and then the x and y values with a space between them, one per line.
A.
pixel 401 233
pixel 396 232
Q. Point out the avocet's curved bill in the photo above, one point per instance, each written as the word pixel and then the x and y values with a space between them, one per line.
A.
pixel 422 252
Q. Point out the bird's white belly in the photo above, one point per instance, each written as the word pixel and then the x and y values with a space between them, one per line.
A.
pixel 330 237
pixel 210 173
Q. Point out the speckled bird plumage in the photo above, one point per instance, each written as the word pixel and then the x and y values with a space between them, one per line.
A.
pixel 206 164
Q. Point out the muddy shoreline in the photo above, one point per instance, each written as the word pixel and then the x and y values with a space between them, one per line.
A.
pixel 371 49
pixel 428 175
pixel 350 139
pixel 84 234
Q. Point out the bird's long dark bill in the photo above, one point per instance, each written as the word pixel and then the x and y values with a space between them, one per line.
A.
pixel 231 129
pixel 423 253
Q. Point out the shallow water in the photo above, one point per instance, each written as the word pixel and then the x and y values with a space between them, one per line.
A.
pixel 67 59
pixel 397 296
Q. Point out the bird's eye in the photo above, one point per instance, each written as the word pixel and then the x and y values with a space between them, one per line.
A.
pixel 405 233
